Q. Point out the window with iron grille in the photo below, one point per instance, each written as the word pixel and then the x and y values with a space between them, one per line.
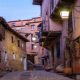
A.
pixel 32 46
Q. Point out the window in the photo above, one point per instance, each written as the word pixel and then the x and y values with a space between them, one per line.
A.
pixel 21 59
pixel 43 62
pixel 32 46
pixel 23 28
pixel 6 57
pixel 14 56
pixel 18 43
pixel 32 27
pixel 22 45
pixel 13 23
pixel 18 28
pixel 12 39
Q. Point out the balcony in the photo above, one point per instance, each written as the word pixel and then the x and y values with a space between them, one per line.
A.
pixel 61 4
pixel 43 34
pixel 48 36
pixel 33 53
pixel 52 36
pixel 37 2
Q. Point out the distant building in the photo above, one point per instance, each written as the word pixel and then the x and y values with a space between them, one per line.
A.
pixel 12 48
pixel 30 29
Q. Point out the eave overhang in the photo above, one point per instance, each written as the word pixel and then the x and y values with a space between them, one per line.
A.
pixel 42 39
pixel 33 53
pixel 44 33
pixel 62 4
pixel 52 36
pixel 37 2
pixel 43 36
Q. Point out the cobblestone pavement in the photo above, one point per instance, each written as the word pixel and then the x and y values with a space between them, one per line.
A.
pixel 34 75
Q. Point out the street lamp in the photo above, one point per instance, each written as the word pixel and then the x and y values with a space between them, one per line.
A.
pixel 64 14
pixel 35 46
pixel 34 38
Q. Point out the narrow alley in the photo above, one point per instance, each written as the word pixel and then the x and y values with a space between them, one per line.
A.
pixel 40 40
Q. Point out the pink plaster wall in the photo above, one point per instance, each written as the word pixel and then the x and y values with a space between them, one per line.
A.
pixel 76 19
pixel 51 25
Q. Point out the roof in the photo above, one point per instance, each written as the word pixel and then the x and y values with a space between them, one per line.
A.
pixel 25 19
pixel 6 26
pixel 22 23
pixel 27 23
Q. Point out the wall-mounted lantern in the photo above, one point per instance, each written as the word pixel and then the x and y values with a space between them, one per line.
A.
pixel 34 38
pixel 35 46
pixel 64 14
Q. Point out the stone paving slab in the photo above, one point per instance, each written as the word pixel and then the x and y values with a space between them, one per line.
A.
pixel 41 75
pixel 34 75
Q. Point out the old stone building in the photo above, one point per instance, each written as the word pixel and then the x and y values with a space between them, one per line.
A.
pixel 12 48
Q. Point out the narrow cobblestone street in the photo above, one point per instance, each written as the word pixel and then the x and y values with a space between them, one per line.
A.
pixel 34 75
pixel 40 40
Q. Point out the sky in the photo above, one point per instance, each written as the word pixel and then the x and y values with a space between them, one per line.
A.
pixel 18 9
